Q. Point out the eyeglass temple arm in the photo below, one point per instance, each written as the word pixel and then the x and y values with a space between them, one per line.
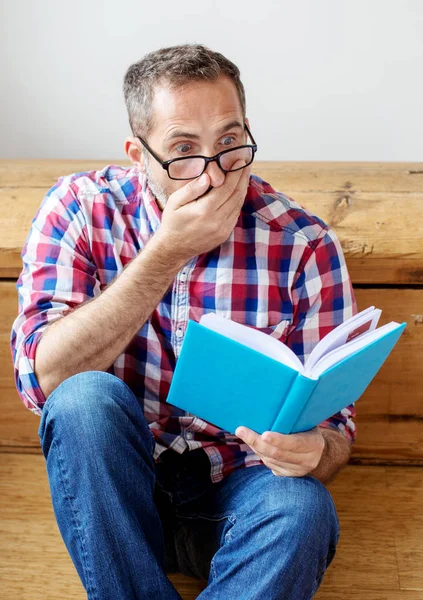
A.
pixel 250 134
pixel 153 154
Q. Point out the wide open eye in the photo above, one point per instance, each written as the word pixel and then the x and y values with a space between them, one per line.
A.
pixel 228 140
pixel 183 148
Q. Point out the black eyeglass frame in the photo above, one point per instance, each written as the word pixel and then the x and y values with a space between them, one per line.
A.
pixel 165 164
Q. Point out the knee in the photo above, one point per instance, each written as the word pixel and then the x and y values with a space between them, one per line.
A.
pixel 303 502
pixel 87 393
pixel 84 404
pixel 316 510
pixel 314 514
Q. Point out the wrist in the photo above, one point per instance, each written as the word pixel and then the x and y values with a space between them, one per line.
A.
pixel 334 457
pixel 164 247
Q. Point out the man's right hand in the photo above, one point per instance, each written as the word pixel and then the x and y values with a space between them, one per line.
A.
pixel 192 225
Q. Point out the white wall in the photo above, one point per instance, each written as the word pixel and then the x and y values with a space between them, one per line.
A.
pixel 325 79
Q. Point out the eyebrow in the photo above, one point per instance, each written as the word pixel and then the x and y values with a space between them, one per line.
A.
pixel 193 136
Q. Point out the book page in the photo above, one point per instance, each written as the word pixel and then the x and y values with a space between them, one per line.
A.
pixel 362 322
pixel 257 340
pixel 338 354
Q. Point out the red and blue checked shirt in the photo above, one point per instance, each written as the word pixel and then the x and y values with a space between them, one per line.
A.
pixel 282 271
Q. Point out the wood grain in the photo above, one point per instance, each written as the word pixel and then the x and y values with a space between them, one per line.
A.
pixel 389 414
pixel 376 209
pixel 301 176
pixel 378 555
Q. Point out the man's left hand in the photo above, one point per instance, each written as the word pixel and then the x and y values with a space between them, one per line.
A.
pixel 293 455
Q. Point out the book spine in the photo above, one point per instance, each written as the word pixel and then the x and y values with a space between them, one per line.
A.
pixel 294 404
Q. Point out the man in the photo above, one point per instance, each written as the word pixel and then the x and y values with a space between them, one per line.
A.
pixel 116 263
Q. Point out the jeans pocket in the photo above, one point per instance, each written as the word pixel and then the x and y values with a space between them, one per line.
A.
pixel 198 538
pixel 225 538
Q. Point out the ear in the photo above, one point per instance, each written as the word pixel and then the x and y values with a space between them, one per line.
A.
pixel 135 155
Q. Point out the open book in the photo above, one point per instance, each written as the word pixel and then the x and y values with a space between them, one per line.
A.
pixel 230 374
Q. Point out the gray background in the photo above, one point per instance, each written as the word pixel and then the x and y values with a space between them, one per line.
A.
pixel 325 79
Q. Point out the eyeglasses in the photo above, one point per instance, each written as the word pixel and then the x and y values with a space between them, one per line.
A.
pixel 191 167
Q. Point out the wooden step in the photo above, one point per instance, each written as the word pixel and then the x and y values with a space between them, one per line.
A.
pixel 375 208
pixel 389 414
pixel 379 555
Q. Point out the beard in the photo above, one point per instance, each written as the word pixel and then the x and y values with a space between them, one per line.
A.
pixel 156 188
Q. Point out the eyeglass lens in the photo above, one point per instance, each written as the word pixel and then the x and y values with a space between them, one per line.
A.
pixel 189 168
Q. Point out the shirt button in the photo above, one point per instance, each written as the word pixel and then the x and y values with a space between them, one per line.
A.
pixel 183 277
pixel 179 333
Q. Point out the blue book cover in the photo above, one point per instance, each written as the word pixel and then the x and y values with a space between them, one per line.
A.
pixel 230 384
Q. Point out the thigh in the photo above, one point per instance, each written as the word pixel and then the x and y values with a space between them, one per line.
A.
pixel 244 499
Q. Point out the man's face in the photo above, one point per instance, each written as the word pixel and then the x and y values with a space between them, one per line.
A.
pixel 201 117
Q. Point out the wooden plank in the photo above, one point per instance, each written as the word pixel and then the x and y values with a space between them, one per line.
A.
pixel 389 415
pixel 15 225
pixel 390 412
pixel 10 262
pixel 363 594
pixel 404 367
pixel 392 496
pixel 405 270
pixel 371 503
pixel 300 176
pixel 381 235
pixel 44 173
pixel 407 498
pixel 18 427
pixel 342 177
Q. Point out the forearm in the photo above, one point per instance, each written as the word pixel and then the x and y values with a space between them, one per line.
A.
pixel 335 455
pixel 97 332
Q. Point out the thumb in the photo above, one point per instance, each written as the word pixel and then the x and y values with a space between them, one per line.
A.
pixel 191 191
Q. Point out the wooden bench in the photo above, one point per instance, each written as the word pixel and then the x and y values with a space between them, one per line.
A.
pixel 377 212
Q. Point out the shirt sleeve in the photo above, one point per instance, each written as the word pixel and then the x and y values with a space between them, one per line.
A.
pixel 323 298
pixel 58 274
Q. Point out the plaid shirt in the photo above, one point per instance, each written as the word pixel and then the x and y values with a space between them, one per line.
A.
pixel 282 271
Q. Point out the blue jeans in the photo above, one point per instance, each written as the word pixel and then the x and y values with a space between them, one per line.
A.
pixel 128 521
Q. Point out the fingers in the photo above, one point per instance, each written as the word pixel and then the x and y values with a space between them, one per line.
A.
pixel 235 183
pixel 189 192
pixel 220 195
pixel 278 450
pixel 235 202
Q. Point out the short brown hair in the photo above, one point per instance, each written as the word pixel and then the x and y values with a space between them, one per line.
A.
pixel 176 66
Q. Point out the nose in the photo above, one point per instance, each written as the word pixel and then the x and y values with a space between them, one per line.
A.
pixel 217 176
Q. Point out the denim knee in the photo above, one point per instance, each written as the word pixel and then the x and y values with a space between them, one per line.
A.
pixel 304 500
pixel 315 510
pixel 85 403
pixel 316 501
